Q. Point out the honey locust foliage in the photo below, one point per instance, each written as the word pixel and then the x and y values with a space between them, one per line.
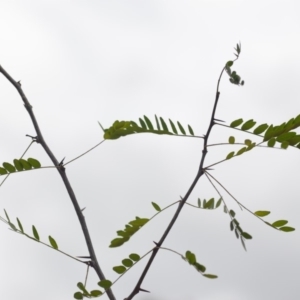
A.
pixel 124 128
pixel 130 229
pixel 282 134
pixel 190 257
pixel 279 224
pixel 19 165
pixel 35 235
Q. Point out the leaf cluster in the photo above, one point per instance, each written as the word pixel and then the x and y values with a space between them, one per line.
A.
pixel 35 233
pixel 190 257
pixel 282 133
pixel 209 204
pixel 123 128
pixel 130 229
pixel 19 165
pixel 235 226
pixel 279 224
pixel 127 263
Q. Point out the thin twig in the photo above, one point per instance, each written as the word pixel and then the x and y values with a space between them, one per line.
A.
pixel 84 153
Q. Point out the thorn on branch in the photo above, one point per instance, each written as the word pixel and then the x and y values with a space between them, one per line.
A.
pixel 19 83
pixel 61 163
pixel 142 290
pixel 218 120
pixel 34 138
pixel 83 209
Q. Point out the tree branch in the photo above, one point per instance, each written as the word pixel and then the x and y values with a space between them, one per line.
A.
pixel 62 171
pixel 200 172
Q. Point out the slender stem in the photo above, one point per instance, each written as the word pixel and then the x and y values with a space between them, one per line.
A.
pixel 62 171
pixel 200 172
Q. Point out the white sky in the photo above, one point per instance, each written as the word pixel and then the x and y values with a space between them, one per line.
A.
pixel 86 61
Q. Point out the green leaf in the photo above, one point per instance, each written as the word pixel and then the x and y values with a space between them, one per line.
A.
pixel 12 226
pixel 181 128
pixel 230 155
pixel 173 127
pixel 232 213
pixel 191 258
pixel 134 257
pixel 34 162
pixel 143 124
pixel 229 64
pixel 246 235
pixel 127 262
pixel 18 165
pixel 236 123
pixel 284 144
pixel 286 228
pixel 26 165
pixel 269 133
pixel 156 206
pixel 200 267
pixel 20 225
pixel 231 225
pixel 148 122
pixel 199 202
pixel 211 276
pixel 35 233
pixel 106 284
pixel 248 125
pixel 7 217
pixel 248 142
pixel 117 242
pixel 96 293
pixel 81 286
pixel 262 213
pixel 241 151
pixel 2 171
pixel 260 129
pixel 210 204
pixel 190 130
pixel 9 167
pixel 78 296
pixel 271 142
pixel 53 242
pixel 219 203
pixel 163 124
pixel 119 269
pixel 279 223
pixel 157 123
pixel 231 140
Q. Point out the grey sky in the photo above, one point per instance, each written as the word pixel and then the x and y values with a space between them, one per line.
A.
pixel 86 61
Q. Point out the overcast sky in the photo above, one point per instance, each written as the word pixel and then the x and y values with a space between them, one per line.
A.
pixel 81 62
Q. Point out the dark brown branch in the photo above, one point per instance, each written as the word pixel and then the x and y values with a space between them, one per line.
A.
pixel 200 172
pixel 62 171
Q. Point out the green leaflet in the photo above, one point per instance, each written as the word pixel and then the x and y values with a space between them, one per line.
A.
pixel 35 233
pixel 248 125
pixel 53 242
pixel 106 284
pixel 262 213
pixel 236 123
pixel 231 140
pixel 124 128
pixel 156 206
pixel 260 129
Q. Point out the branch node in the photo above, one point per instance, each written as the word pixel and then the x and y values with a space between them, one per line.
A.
pixel 34 138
